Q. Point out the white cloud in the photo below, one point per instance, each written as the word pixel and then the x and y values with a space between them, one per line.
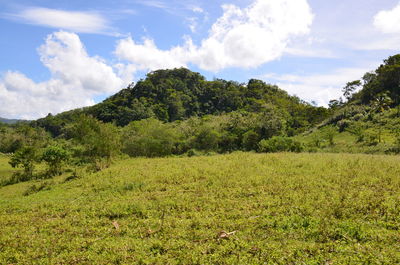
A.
pixel 76 79
pixel 388 21
pixel 197 9
pixel 85 22
pixel 318 87
pixel 147 56
pixel 246 38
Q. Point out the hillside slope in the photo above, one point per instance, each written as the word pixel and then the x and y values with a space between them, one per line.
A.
pixel 368 120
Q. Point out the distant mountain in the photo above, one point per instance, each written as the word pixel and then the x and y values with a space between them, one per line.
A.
pixel 10 121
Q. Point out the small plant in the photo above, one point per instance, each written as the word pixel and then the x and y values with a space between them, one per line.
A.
pixel 372 138
pixel 36 188
pixel 330 134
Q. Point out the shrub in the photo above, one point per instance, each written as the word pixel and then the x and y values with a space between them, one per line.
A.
pixel 54 156
pixel 343 124
pixel 149 138
pixel 26 157
pixel 329 134
pixel 250 140
pixel 280 144
pixel 207 139
pixel 358 131
pixel 95 140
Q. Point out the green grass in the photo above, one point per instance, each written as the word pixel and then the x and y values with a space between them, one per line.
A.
pixel 283 209
pixel 386 125
pixel 6 170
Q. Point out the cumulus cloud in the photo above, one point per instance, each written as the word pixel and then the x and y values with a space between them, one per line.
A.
pixel 84 22
pixel 318 87
pixel 76 78
pixel 146 55
pixel 388 21
pixel 241 37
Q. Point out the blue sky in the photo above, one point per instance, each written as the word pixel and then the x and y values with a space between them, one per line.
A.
pixel 58 55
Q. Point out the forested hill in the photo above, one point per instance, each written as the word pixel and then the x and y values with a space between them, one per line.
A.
pixel 379 88
pixel 178 94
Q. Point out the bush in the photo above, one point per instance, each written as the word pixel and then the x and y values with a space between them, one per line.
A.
pixel 343 124
pixel 94 140
pixel 250 140
pixel 54 156
pixel 280 144
pixel 207 139
pixel 26 157
pixel 358 130
pixel 150 138
pixel 329 135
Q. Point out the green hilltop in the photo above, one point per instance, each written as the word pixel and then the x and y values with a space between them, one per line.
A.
pixel 179 94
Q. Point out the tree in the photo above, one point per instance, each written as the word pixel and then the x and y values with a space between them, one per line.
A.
pixel 335 103
pixel 26 157
pixel 381 102
pixel 350 87
pixel 54 156
pixel 250 140
pixel 207 139
pixel 100 141
pixel 150 137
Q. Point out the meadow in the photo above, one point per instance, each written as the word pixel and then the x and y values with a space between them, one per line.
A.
pixel 239 208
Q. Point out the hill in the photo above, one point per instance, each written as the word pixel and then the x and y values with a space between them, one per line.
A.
pixel 11 121
pixel 240 208
pixel 179 94
pixel 367 120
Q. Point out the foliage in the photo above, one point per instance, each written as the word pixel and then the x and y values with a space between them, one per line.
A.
pixel 26 157
pixel 350 88
pixel 179 94
pixel 13 137
pixel 55 156
pixel 280 144
pixel 206 138
pixel 358 130
pixel 150 138
pixel 99 141
pixel 250 140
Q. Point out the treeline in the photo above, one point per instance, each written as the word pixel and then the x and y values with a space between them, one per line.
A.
pixel 88 141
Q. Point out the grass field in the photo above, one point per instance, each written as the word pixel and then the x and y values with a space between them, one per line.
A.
pixel 5 169
pixel 240 208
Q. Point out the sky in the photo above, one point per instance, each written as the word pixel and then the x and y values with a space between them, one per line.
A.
pixel 60 55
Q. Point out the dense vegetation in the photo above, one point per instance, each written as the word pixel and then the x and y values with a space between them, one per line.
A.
pixel 178 112
pixel 171 112
pixel 70 194
pixel 179 94
pixel 240 208
pixel 379 89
